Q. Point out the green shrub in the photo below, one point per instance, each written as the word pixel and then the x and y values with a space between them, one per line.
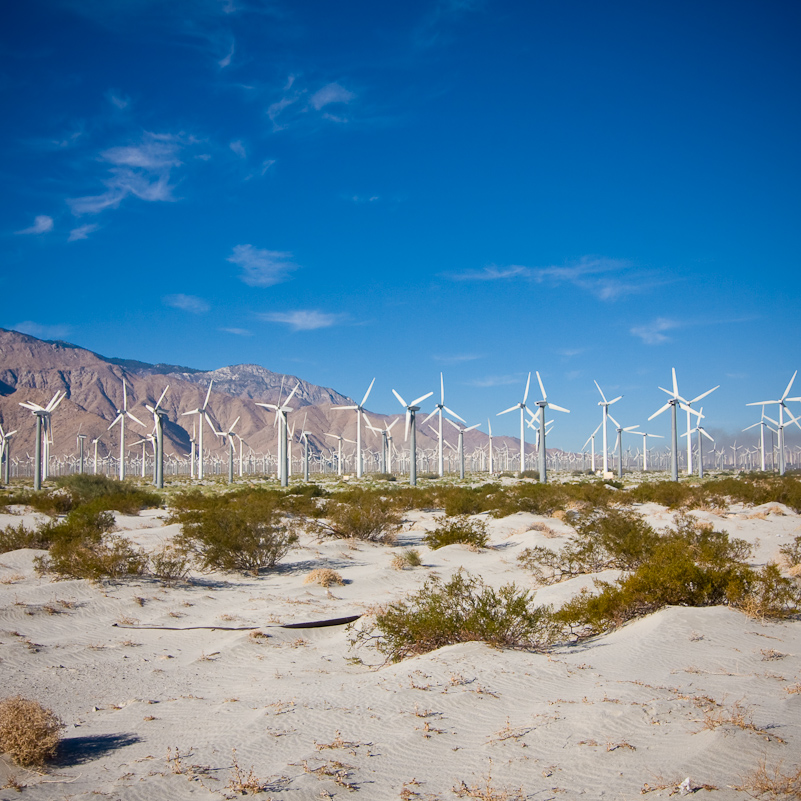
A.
pixel 462 610
pixel 410 557
pixel 170 563
pixel 13 538
pixel 791 552
pixel 112 556
pixel 466 500
pixel 459 529
pixel 236 537
pixel 368 517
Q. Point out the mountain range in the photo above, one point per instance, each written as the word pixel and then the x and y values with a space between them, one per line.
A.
pixel 32 369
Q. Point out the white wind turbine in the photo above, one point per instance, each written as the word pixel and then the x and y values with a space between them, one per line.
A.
pixel 782 406
pixel 675 401
pixel 120 418
pixel 158 422
pixel 689 423
pixel 202 415
pixel 281 410
pixel 543 404
pixel 460 445
pixel 605 404
pixel 701 434
pixel 438 409
pixel 359 412
pixel 619 444
pixel 5 455
pixel 42 414
pixel 411 427
pixel 522 406
pixel 645 447
pixel 340 439
pixel 591 439
pixel 229 438
pixel 762 425
pixel 490 465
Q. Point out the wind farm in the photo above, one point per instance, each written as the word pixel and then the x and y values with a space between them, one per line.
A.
pixel 400 401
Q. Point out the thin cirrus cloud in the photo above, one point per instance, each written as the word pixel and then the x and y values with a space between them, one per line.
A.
pixel 331 93
pixel 303 319
pixel 262 267
pixel 240 332
pixel 294 104
pixel 41 331
pixel 188 303
pixel 653 333
pixel 142 170
pixel 82 232
pixel 494 381
pixel 607 279
pixel 456 358
pixel 42 224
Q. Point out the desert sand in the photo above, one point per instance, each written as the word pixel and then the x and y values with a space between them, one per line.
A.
pixel 685 701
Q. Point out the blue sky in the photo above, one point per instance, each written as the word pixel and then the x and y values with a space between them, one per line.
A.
pixel 348 190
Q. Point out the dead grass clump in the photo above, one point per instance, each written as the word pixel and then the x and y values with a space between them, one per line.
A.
pixel 407 558
pixel 29 732
pixel 324 576
pixel 170 564
pixel 244 782
pixel 772 782
pixel 485 791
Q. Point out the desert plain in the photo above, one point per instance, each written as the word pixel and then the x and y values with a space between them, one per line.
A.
pixel 194 690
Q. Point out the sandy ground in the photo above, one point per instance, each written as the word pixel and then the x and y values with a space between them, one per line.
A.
pixel 703 694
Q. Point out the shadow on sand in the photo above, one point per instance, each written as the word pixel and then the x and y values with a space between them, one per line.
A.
pixel 78 750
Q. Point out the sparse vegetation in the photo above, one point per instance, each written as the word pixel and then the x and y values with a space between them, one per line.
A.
pixel 29 732
pixel 460 529
pixel 324 576
pixel 367 516
pixel 409 557
pixel 463 609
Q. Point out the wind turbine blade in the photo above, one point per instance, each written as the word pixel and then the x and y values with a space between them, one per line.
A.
pixel 345 407
pixel 194 411
pixel 657 413
pixel 470 428
pixel 115 421
pixel 631 428
pixel 690 410
pixel 787 391
pixel 617 425
pixel 762 403
pixel 124 395
pixel 297 386
pixel 600 390
pixel 666 391
pixel 422 398
pixel 558 408
pixel 675 383
pixel 510 409
pixel 442 389
pixel 389 427
pixel 400 399
pixel 406 432
pixel 208 395
pixel 231 427
pixel 135 419
pixel 161 398
pixel 753 425
pixel 542 388
pixel 708 392
pixel 706 435
pixel 364 399
pixel 453 414
pixel 619 397
pixel 658 436
pixel 431 415
pixel 489 426
pixel 528 384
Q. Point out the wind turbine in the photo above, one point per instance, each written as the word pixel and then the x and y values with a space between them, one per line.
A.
pixel 359 412
pixel 229 436
pixel 281 410
pixel 202 415
pixel 645 447
pixel 439 408
pixel 522 406
pixel 605 404
pixel 543 404
pixel 411 426
pixel 95 442
pixel 762 425
pixel 675 401
pixel 42 421
pixel 701 434
pixel 591 439
pixel 158 421
pixel 489 449
pixel 460 445
pixel 782 406
pixel 340 439
pixel 304 435
pixel 619 443
pixel 5 455
pixel 689 411
pixel 120 418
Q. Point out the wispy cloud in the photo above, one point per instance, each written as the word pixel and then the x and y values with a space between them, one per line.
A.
pixel 653 333
pixel 225 61
pixel 434 27
pixel 82 232
pixel 363 198
pixel 456 358
pixel 262 267
pixel 42 224
pixel 607 279
pixel 331 93
pixel 303 319
pixel 238 148
pixel 189 303
pixel 240 332
pixel 42 331
pixel 141 170
pixel 494 381
pixel 118 100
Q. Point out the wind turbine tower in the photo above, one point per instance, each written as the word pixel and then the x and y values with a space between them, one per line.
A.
pixel 411 429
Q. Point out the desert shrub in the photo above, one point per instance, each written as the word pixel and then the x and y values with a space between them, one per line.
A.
pixel 383 477
pixel 792 552
pixel 540 499
pixel 465 500
pixel 169 563
pixel 771 595
pixel 324 576
pixel 605 538
pixel 237 537
pixel 462 610
pixel 110 556
pixel 535 474
pixel 308 490
pixel 410 557
pixel 459 529
pixel 367 517
pixel 108 493
pixel 13 538
pixel 672 494
pixel 29 732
